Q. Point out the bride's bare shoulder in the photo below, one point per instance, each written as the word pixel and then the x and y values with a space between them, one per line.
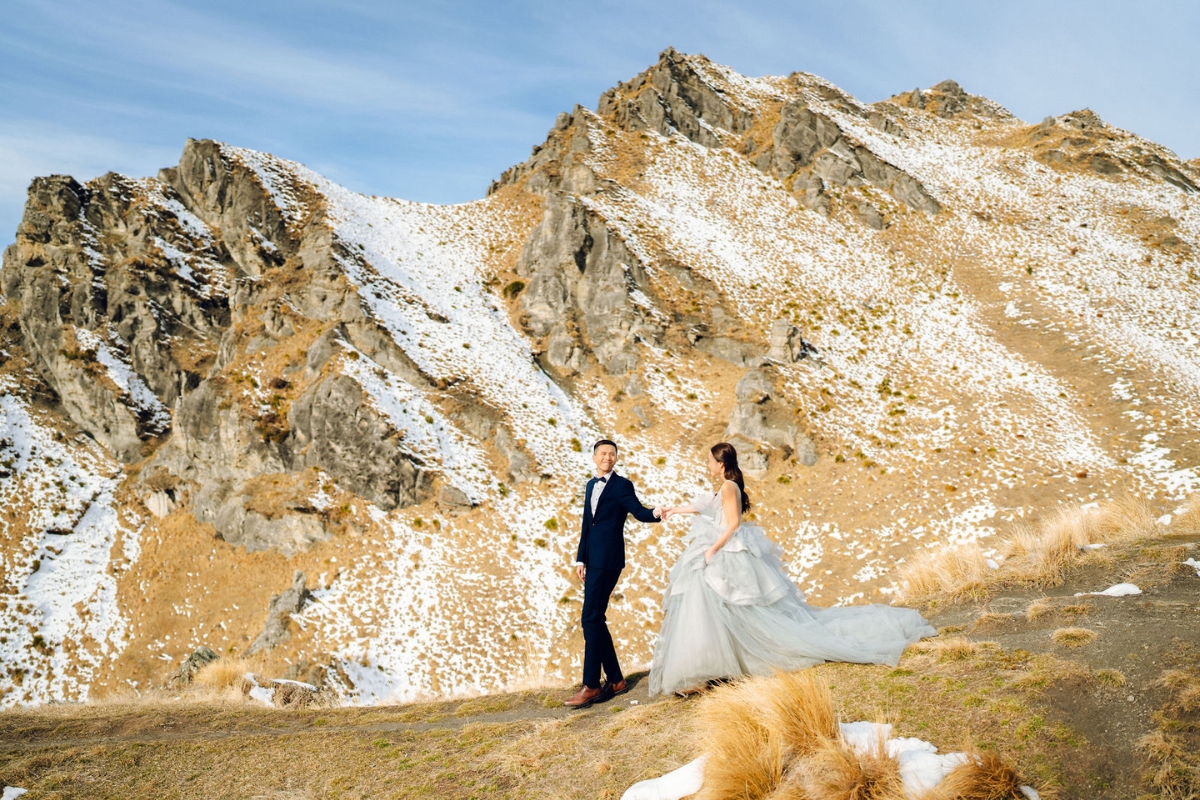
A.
pixel 729 488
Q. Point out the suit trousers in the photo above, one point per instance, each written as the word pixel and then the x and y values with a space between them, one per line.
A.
pixel 598 648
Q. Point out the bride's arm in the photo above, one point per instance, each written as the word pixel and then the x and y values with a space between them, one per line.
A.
pixel 733 517
pixel 672 510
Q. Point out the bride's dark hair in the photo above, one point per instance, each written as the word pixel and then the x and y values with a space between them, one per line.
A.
pixel 726 456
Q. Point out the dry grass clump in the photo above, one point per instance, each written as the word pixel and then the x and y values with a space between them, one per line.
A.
pixel 1110 677
pixel 837 772
pixel 953 648
pixel 983 776
pixel 1188 522
pixel 753 729
pixel 990 619
pixel 224 673
pixel 954 572
pixel 1073 637
pixel 1037 554
pixel 1185 687
pixel 1122 519
pixel 1038 609
pixel 1172 769
pixel 777 739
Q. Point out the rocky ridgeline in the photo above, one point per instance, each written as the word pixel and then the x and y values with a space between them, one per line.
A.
pixel 264 355
pixel 140 302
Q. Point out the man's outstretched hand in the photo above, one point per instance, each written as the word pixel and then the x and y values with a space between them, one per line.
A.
pixel 658 512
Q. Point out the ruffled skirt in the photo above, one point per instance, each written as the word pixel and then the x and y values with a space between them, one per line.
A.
pixel 742 615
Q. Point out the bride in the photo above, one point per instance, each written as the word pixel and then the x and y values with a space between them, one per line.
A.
pixel 730 608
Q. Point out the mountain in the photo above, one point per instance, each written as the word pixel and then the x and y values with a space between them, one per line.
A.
pixel 247 408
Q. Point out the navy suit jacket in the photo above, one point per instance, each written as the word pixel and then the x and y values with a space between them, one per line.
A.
pixel 602 538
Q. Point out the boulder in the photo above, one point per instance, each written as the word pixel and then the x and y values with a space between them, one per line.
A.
pixel 200 658
pixel 279 614
pixel 285 693
pixel 753 462
pixel 869 215
pixel 786 345
pixel 289 533
pixel 760 417
pixel 454 497
pixel 161 503
pixel 735 351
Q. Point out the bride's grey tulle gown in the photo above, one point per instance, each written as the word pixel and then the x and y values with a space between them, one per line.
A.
pixel 742 615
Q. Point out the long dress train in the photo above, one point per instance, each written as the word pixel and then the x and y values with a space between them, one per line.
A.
pixel 742 615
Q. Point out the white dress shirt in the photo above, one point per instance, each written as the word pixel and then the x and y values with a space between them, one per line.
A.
pixel 598 488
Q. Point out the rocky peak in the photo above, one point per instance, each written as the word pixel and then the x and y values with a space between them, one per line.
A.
pixel 677 94
pixel 1082 140
pixel 949 100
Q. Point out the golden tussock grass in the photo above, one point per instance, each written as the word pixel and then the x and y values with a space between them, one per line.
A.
pixel 1030 554
pixel 1188 523
pixel 1110 677
pixel 1171 768
pixel 989 620
pixel 983 776
pixel 224 673
pixel 837 772
pixel 1038 609
pixel 1073 637
pixel 954 572
pixel 1185 687
pixel 221 681
pixel 777 739
pixel 954 648
pixel 754 729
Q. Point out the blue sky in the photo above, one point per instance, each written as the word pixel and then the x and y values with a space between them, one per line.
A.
pixel 430 101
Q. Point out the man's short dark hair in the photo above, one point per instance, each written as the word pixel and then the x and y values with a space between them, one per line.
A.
pixel 596 446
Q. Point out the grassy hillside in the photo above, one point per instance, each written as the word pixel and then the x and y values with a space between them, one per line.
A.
pixel 1085 696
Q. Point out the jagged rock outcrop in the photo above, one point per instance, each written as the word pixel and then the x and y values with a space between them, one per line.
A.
pixel 579 297
pixel 279 613
pixel 1082 139
pixel 672 96
pixel 150 307
pixel 786 344
pixel 333 427
pixel 947 99
pixel 810 152
pixel 200 658
pixel 113 310
pixel 580 278
pixel 762 417
pixel 807 150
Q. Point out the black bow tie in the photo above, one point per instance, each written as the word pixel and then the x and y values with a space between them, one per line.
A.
pixel 602 480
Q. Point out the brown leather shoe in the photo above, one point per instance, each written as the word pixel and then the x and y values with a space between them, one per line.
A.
pixel 584 697
pixel 620 687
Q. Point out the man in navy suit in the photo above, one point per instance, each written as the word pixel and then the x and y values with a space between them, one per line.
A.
pixel 609 498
